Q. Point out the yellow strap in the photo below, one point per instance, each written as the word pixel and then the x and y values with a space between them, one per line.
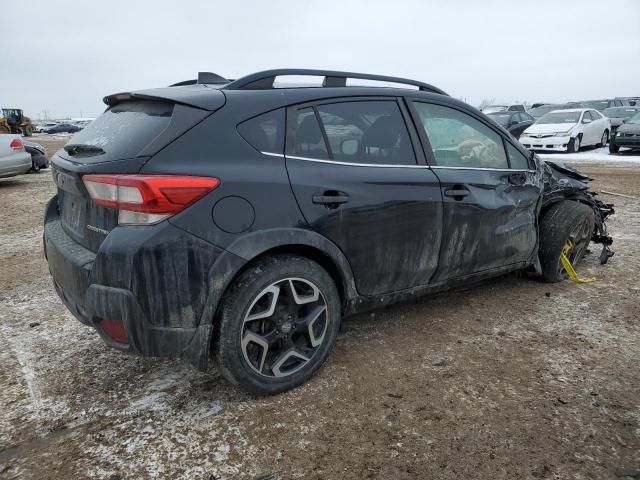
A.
pixel 566 263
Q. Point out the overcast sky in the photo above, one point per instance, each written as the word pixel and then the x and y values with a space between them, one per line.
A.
pixel 63 56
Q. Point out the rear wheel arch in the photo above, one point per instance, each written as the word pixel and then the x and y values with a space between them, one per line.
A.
pixel 246 250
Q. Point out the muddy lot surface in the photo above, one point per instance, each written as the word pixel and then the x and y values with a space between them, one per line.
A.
pixel 512 379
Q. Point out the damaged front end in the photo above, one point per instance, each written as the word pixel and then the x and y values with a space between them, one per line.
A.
pixel 562 182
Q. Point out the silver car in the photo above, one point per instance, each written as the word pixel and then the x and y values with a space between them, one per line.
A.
pixel 14 159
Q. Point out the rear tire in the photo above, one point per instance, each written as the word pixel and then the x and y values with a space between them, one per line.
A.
pixel 574 145
pixel 566 220
pixel 604 139
pixel 277 324
pixel 28 131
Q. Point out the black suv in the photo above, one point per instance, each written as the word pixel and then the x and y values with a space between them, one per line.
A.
pixel 243 220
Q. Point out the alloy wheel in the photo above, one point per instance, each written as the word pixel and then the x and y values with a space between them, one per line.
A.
pixel 284 327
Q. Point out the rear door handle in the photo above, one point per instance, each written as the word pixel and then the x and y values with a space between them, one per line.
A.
pixel 331 199
pixel 457 192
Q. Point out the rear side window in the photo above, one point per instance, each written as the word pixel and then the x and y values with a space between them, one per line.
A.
pixel 517 160
pixel 265 132
pixel 459 140
pixel 367 132
pixel 125 129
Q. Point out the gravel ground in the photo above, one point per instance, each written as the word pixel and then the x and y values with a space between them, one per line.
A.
pixel 512 379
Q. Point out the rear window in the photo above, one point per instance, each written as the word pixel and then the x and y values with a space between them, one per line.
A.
pixel 125 129
pixel 265 132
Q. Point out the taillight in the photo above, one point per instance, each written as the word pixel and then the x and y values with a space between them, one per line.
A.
pixel 16 144
pixel 147 199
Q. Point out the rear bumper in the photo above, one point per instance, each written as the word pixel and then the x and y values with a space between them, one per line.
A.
pixel 15 164
pixel 155 280
pixel 557 144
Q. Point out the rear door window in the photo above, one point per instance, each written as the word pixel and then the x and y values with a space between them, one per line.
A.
pixel 459 140
pixel 124 129
pixel 308 140
pixel 367 132
pixel 265 132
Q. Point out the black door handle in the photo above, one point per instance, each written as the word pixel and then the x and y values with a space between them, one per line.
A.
pixel 458 192
pixel 517 178
pixel 331 199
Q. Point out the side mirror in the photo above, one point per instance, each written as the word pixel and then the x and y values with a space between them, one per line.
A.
pixel 586 120
pixel 350 146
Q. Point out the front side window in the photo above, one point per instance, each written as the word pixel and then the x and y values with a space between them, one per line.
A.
pixel 517 160
pixel 459 140
pixel 367 132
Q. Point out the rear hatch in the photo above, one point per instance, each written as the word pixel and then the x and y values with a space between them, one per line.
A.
pixel 120 141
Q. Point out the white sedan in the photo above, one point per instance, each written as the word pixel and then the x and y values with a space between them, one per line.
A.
pixel 567 130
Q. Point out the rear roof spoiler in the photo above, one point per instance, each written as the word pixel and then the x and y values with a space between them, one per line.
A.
pixel 199 96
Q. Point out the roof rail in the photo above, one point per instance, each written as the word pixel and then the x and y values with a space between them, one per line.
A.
pixel 264 80
pixel 203 78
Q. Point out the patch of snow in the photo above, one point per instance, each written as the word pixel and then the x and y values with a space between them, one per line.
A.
pixel 599 155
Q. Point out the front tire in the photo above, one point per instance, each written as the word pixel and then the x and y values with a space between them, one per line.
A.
pixel 564 221
pixel 613 148
pixel 277 324
pixel 574 145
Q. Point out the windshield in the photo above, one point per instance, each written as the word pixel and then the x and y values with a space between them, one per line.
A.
pixel 620 112
pixel 559 117
pixel 501 118
pixel 540 111
pixel 597 104
pixel 635 120
pixel 494 108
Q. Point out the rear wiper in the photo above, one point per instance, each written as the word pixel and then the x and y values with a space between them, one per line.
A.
pixel 83 149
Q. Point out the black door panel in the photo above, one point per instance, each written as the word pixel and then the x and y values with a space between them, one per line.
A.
pixel 488 227
pixel 390 227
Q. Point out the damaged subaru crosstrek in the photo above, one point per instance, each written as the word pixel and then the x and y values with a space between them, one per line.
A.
pixel 241 220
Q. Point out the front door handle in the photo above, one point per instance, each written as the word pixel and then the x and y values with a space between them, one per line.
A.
pixel 458 192
pixel 517 178
pixel 330 198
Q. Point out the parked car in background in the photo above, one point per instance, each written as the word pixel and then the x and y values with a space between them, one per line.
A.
pixel 14 159
pixel 538 112
pixel 41 127
pixel 63 128
pixel 601 105
pixel 514 122
pixel 618 115
pixel 627 135
pixel 38 154
pixel 503 108
pixel 567 130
